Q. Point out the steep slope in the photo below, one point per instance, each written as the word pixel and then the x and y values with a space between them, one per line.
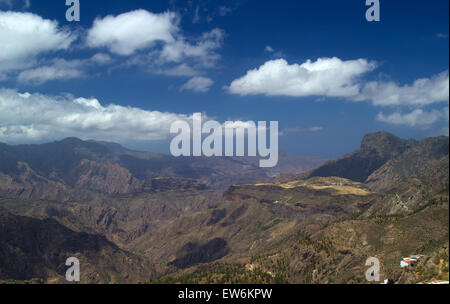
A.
pixel 179 224
pixel 300 229
pixel 126 217
pixel 326 227
pixel 251 220
pixel 434 266
pixel 376 149
pixel 290 250
pixel 413 179
pixel 37 249
pixel 427 162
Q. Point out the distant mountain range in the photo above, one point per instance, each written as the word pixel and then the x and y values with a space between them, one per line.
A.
pixel 144 217
pixel 112 169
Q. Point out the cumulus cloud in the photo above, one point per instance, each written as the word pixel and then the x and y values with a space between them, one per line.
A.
pixel 198 84
pixel 331 77
pixel 416 118
pixel 155 40
pixel 151 41
pixel 181 58
pixel 423 91
pixel 23 36
pixel 129 32
pixel 35 117
pixel 27 117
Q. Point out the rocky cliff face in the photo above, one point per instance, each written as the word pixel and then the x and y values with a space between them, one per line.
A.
pixel 425 161
pixel 376 150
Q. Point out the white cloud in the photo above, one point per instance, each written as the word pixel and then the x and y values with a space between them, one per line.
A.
pixel 416 118
pixel 329 77
pixel 332 77
pixel 182 58
pixel 269 49
pixel 203 50
pixel 10 3
pixel 155 41
pixel 179 70
pixel 101 58
pixel 35 117
pixel 442 36
pixel 59 69
pixel 198 84
pixel 300 130
pixel 129 32
pixel 23 36
pixel 423 91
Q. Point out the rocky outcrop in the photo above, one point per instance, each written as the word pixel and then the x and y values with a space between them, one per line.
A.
pixel 376 149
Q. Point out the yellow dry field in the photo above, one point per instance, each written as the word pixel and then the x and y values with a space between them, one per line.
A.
pixel 339 186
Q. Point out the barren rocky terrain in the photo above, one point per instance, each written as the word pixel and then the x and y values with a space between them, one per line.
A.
pixel 150 218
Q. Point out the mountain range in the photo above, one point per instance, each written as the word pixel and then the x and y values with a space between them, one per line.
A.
pixel 151 218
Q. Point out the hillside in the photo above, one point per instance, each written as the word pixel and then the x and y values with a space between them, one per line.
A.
pixel 400 210
pixel 299 228
pixel 106 168
pixel 36 250
pixel 376 149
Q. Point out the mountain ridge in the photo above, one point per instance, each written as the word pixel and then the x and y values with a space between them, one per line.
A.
pixel 292 229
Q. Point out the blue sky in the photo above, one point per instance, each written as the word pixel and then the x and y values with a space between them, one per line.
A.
pixel 318 67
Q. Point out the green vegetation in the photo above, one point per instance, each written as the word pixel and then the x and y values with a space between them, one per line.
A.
pixel 223 274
